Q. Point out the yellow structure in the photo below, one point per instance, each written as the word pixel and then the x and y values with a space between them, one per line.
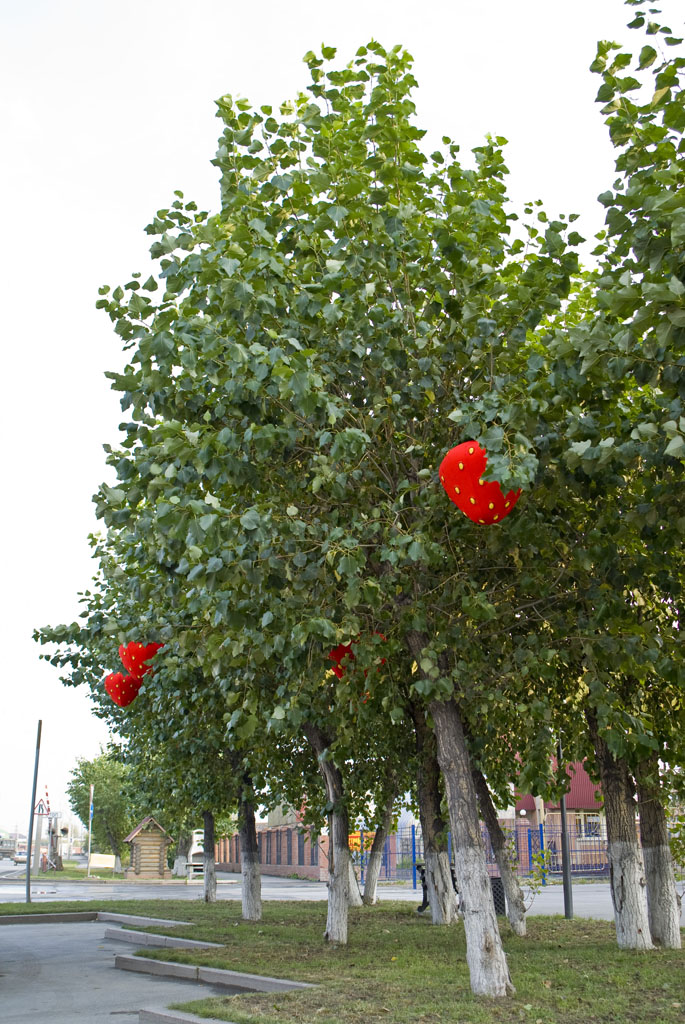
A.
pixel 149 843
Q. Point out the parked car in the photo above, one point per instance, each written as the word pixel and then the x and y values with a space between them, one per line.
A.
pixel 19 857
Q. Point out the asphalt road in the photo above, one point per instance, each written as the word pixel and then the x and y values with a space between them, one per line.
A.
pixel 591 899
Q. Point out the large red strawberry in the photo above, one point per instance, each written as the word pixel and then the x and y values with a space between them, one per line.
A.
pixel 345 650
pixel 134 657
pixel 122 689
pixel 337 655
pixel 461 474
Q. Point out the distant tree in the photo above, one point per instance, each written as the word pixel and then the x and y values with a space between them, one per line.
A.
pixel 113 814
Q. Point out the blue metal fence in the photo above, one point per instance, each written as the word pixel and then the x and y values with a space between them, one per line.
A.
pixel 587 845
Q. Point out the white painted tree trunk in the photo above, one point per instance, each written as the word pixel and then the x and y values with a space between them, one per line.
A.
pixel 488 970
pixel 663 905
pixel 180 868
pixel 441 894
pixel 513 894
pixel 117 864
pixel 209 861
pixel 373 867
pixel 338 880
pixel 338 838
pixel 355 895
pixel 628 895
pixel 250 870
pixel 373 870
pixel 626 870
pixel 516 907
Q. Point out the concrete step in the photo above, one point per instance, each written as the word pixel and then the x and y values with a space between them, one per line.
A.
pixel 164 1016
pixel 158 941
pixel 209 975
pixel 143 922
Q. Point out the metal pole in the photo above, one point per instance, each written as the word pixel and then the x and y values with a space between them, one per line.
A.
pixel 541 830
pixel 33 804
pixel 90 825
pixel 413 855
pixel 565 852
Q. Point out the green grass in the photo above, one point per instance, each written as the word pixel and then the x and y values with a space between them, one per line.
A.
pixel 400 969
pixel 74 871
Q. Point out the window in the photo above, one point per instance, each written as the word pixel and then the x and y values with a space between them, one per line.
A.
pixel 278 846
pixel 588 824
pixel 300 848
pixel 260 846
pixel 289 846
pixel 314 850
pixel 268 847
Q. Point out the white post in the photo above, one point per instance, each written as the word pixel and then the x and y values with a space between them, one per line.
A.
pixel 90 825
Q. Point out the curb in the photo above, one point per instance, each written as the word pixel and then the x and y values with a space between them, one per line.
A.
pixel 144 922
pixel 209 975
pixel 65 918
pixel 158 941
pixel 160 1015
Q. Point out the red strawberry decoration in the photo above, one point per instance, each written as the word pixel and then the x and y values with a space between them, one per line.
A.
pixel 345 650
pixel 461 474
pixel 122 689
pixel 134 657
pixel 337 655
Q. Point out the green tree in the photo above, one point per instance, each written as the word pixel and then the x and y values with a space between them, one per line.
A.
pixel 113 814
pixel 292 394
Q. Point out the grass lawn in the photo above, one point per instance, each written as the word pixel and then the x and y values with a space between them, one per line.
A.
pixel 400 969
pixel 75 870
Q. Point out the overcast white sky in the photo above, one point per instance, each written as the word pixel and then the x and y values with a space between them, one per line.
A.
pixel 105 109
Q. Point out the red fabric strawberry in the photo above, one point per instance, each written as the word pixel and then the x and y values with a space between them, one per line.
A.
pixel 345 650
pixel 134 656
pixel 122 689
pixel 337 655
pixel 461 474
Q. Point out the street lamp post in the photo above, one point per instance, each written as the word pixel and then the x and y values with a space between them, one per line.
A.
pixel 33 804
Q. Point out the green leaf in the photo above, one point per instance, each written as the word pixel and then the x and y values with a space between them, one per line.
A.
pixel 251 519
pixel 676 447
pixel 647 57
pixel 337 214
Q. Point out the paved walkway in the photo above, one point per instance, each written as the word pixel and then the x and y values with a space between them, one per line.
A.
pixel 64 973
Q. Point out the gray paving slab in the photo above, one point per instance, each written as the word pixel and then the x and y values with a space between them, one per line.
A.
pixel 64 974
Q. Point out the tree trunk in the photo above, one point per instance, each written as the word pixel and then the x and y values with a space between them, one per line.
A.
pixel 117 864
pixel 441 895
pixel 338 839
pixel 209 861
pixel 250 870
pixel 516 908
pixel 625 861
pixel 373 868
pixel 180 867
pixel 488 969
pixel 355 895
pixel 663 906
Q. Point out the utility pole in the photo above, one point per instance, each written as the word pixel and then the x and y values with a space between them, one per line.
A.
pixel 90 824
pixel 33 804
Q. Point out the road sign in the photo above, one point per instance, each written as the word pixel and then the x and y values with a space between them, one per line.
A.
pixel 41 808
